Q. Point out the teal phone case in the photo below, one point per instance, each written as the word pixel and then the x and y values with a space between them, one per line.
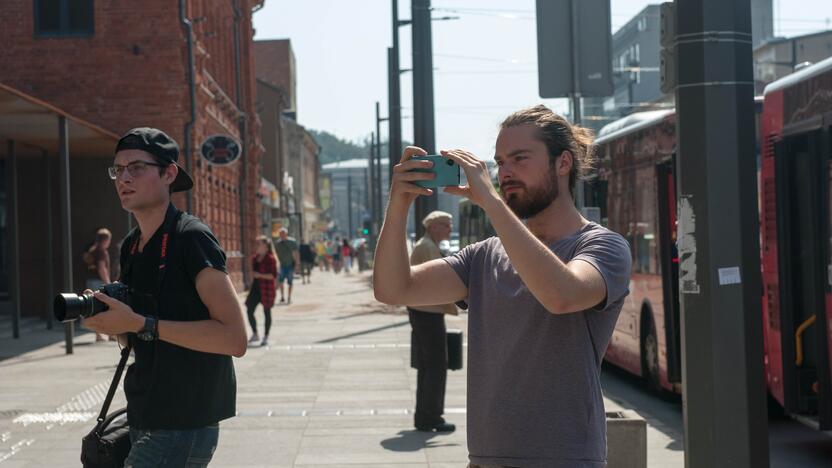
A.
pixel 446 170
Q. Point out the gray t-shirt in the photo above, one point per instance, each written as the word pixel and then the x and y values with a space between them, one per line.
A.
pixel 534 390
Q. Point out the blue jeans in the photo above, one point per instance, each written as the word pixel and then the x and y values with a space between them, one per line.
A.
pixel 171 448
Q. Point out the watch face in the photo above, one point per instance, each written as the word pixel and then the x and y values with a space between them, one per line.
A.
pixel 145 335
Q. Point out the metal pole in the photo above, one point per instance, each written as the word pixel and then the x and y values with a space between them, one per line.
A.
pixel 394 98
pixel 423 111
pixel 14 244
pixel 576 90
pixel 724 391
pixel 66 221
pixel 50 275
pixel 349 202
pixel 377 173
pixel 371 183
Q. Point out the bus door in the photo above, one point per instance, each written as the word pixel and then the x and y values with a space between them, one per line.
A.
pixel 803 225
pixel 669 258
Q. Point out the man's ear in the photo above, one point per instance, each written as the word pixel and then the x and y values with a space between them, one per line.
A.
pixel 565 163
pixel 170 173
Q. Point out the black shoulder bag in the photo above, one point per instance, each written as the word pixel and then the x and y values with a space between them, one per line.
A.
pixel 108 444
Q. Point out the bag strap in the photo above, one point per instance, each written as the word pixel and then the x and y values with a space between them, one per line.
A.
pixel 125 353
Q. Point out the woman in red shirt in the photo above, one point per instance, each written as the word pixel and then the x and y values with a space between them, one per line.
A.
pixel 264 265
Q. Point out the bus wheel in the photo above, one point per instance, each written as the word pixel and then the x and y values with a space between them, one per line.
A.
pixel 650 354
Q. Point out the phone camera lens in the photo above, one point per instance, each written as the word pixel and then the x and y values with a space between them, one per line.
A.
pixel 450 162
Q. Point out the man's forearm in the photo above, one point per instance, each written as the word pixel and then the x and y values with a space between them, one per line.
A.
pixel 391 267
pixel 208 336
pixel 546 276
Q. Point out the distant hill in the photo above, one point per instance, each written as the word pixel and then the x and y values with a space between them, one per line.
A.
pixel 335 149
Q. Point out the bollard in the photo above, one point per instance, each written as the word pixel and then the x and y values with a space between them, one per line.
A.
pixel 626 440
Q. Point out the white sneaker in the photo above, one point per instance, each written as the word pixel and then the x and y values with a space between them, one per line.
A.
pixel 254 338
pixel 265 341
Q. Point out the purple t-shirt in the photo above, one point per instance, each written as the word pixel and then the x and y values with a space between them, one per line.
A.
pixel 534 390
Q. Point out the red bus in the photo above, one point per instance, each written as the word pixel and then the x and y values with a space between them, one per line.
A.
pixel 635 192
pixel 796 242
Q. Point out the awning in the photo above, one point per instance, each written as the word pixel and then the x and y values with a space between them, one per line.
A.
pixel 34 124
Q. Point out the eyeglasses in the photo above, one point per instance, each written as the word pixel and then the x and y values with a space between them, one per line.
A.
pixel 135 169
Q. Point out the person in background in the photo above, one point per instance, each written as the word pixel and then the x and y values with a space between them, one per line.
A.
pixel 307 262
pixel 346 255
pixel 429 333
pixel 97 260
pixel 287 253
pixel 264 267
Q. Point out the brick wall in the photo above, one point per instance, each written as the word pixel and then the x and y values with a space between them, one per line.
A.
pixel 133 72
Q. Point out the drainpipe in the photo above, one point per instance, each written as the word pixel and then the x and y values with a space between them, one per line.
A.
pixel 243 139
pixel 189 35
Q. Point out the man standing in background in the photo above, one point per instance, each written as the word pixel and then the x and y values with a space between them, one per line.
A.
pixel 429 334
pixel 289 257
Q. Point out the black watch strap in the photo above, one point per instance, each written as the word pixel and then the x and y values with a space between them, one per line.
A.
pixel 150 330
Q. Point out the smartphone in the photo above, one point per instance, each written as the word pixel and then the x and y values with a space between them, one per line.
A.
pixel 446 170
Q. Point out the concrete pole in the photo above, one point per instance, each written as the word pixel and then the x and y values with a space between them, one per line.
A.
pixel 423 111
pixel 724 392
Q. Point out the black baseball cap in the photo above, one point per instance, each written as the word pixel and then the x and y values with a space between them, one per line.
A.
pixel 162 147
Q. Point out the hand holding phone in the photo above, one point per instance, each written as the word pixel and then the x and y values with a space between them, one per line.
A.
pixel 446 170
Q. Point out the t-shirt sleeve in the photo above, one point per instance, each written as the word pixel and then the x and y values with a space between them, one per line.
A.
pixel 202 250
pixel 460 262
pixel 609 253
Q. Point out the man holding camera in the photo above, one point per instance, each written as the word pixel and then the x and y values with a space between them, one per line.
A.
pixel 544 294
pixel 184 319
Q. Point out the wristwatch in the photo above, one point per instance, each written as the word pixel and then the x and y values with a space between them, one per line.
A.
pixel 150 330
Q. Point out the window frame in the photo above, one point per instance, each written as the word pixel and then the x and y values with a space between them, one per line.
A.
pixel 63 17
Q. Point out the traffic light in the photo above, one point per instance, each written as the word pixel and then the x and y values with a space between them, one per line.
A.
pixel 366 229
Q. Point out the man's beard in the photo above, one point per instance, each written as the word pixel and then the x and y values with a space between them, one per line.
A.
pixel 531 201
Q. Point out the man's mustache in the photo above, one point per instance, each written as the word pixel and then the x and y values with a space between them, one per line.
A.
pixel 507 185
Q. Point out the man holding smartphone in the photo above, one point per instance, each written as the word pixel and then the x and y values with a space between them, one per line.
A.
pixel 544 295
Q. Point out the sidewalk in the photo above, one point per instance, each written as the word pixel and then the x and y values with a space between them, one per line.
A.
pixel 333 389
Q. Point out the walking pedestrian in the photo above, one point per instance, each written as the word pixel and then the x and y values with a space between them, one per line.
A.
pixel 287 254
pixel 429 333
pixel 346 255
pixel 97 260
pixel 264 267
pixel 184 321
pixel 544 294
pixel 307 262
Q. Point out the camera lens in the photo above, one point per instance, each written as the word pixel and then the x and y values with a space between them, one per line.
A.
pixel 68 307
pixel 450 162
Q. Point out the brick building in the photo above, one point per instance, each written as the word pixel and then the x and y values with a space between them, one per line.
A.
pixel 290 160
pixel 186 67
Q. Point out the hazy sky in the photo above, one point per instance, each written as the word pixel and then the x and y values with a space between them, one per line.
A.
pixel 485 62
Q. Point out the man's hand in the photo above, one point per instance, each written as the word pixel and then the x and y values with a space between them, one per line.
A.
pixel 120 318
pixel 480 189
pixel 402 189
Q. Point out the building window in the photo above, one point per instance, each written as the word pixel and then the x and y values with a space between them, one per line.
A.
pixel 642 23
pixel 63 17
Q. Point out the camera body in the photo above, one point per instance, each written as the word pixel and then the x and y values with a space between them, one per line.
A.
pixel 446 170
pixel 68 306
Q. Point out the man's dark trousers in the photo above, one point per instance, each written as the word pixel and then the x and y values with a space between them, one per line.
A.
pixel 432 361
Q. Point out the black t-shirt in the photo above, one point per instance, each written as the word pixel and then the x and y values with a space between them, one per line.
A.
pixel 168 386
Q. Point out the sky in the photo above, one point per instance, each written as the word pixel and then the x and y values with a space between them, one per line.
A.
pixel 485 62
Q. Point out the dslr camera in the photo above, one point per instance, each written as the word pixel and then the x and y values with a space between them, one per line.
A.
pixel 69 306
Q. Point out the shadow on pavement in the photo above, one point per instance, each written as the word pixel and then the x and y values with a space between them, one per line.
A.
pixel 363 332
pixel 413 441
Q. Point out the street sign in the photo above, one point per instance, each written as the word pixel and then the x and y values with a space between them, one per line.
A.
pixel 556 50
pixel 220 150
